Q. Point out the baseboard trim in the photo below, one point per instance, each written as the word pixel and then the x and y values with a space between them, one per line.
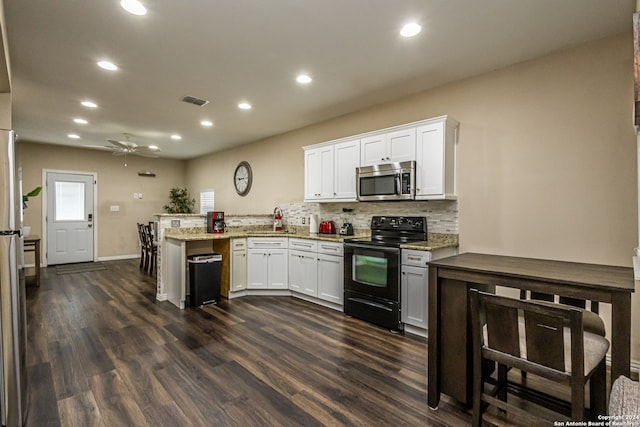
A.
pixel 162 297
pixel 117 257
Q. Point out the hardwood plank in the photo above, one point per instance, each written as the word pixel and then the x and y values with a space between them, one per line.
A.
pixel 43 408
pixel 80 410
pixel 113 398
pixel 68 377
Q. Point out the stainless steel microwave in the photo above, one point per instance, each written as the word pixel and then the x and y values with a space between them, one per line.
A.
pixel 389 181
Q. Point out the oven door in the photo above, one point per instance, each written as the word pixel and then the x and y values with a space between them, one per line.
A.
pixel 372 270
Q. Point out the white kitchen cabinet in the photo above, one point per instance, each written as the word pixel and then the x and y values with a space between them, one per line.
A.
pixel 413 291
pixel 238 264
pixel 267 264
pixel 414 287
pixel 303 272
pixel 414 282
pixel 315 269
pixel 331 272
pixel 346 160
pixel 435 159
pixel 330 171
pixel 331 278
pixel 319 176
pixel 395 146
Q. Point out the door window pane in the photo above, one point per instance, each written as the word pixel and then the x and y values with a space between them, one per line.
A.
pixel 69 201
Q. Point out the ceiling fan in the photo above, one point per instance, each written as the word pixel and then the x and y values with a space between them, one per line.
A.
pixel 125 147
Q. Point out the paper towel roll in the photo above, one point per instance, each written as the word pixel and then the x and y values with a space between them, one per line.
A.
pixel 313 224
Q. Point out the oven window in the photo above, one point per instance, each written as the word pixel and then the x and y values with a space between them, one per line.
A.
pixel 370 270
pixel 378 185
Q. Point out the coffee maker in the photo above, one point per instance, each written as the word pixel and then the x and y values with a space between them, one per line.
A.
pixel 215 222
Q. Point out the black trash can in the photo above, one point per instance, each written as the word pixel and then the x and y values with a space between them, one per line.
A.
pixel 204 279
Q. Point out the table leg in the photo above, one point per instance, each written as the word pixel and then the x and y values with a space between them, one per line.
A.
pixel 433 348
pixel 37 262
pixel 620 335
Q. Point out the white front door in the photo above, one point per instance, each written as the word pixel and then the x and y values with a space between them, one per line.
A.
pixel 69 218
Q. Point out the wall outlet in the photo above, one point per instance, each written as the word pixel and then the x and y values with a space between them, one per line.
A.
pixel 304 220
pixel 114 208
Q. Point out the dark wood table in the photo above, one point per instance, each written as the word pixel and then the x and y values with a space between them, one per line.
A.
pixel 32 244
pixel 449 354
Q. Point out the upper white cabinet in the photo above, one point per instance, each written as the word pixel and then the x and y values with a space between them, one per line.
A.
pixel 330 167
pixel 330 171
pixel 318 168
pixel 396 146
pixel 436 159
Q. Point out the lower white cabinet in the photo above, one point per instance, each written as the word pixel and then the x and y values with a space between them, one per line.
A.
pixel 315 269
pixel 330 278
pixel 414 282
pixel 414 286
pixel 238 265
pixel 303 272
pixel 267 263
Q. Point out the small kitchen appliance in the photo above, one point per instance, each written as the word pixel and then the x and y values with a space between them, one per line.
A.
pixel 346 229
pixel 327 227
pixel 215 222
pixel 277 219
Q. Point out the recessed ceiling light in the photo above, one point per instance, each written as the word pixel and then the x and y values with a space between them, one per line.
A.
pixel 176 137
pixel 303 79
pixel 207 123
pixel 153 147
pixel 80 121
pixel 244 106
pixel 89 104
pixel 134 7
pixel 73 136
pixel 411 29
pixel 107 65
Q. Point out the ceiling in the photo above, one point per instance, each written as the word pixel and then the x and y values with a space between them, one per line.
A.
pixel 229 51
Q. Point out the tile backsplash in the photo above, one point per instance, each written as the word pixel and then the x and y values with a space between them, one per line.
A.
pixel 442 215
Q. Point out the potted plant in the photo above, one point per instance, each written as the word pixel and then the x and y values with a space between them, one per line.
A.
pixel 26 230
pixel 32 193
pixel 180 202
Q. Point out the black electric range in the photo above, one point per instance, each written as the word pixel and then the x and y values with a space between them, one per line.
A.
pixel 372 269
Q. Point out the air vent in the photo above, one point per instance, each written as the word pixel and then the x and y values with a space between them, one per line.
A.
pixel 195 101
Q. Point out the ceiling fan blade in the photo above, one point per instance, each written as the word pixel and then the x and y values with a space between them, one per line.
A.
pixel 123 144
pixel 146 154
pixel 119 153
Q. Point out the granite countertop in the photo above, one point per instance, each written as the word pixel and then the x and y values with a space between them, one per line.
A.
pixel 434 241
pixel 199 233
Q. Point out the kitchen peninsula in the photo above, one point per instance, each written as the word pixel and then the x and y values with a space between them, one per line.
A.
pixel 189 237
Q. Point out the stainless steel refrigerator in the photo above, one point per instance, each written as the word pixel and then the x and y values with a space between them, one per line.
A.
pixel 13 317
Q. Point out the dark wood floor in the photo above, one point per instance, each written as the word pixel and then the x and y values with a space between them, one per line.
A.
pixel 102 351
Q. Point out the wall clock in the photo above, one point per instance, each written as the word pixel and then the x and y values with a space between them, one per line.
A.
pixel 242 178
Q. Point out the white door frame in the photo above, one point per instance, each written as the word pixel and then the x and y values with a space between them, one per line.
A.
pixel 44 195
